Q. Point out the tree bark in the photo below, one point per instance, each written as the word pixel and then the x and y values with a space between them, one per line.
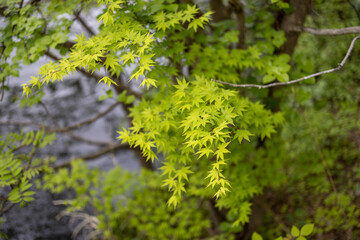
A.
pixel 287 21
pixel 238 9
pixel 221 12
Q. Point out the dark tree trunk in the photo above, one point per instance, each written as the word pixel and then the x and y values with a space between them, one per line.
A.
pixel 287 21
pixel 238 8
pixel 221 12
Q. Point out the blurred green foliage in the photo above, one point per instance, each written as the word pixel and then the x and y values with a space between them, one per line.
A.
pixel 227 157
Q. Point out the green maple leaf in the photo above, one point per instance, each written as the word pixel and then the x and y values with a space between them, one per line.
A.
pixel 107 81
pixel 204 151
pixel 107 18
pixel 26 89
pixel 183 173
pixel 242 134
pixel 130 56
pixel 190 13
pixel 111 62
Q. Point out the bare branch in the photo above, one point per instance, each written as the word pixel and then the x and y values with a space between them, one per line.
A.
pixel 3 80
pixel 68 132
pixel 101 152
pixel 83 23
pixel 29 160
pixel 296 80
pixel 2 89
pixel 7 208
pixel 86 122
pixel 332 32
pixel 85 140
pixel 2 205
pixel 106 150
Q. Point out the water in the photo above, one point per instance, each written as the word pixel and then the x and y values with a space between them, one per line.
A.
pixel 69 102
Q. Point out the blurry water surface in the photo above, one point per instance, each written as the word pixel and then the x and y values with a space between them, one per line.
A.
pixel 69 102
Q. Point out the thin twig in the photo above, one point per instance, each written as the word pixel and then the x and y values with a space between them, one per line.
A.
pixel 2 205
pixel 3 81
pixel 296 80
pixel 2 89
pixel 29 160
pixel 7 208
pixel 85 140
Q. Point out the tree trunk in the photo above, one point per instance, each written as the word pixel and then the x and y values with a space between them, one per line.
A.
pixel 287 21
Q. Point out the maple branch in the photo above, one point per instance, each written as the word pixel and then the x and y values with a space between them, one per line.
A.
pixel 296 80
pixel 97 77
pixel 332 32
pixel 2 89
pixel 83 23
pixel 71 134
pixel 85 140
pixel 97 154
pixel 3 80
pixel 86 122
pixel 119 89
pixel 4 209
